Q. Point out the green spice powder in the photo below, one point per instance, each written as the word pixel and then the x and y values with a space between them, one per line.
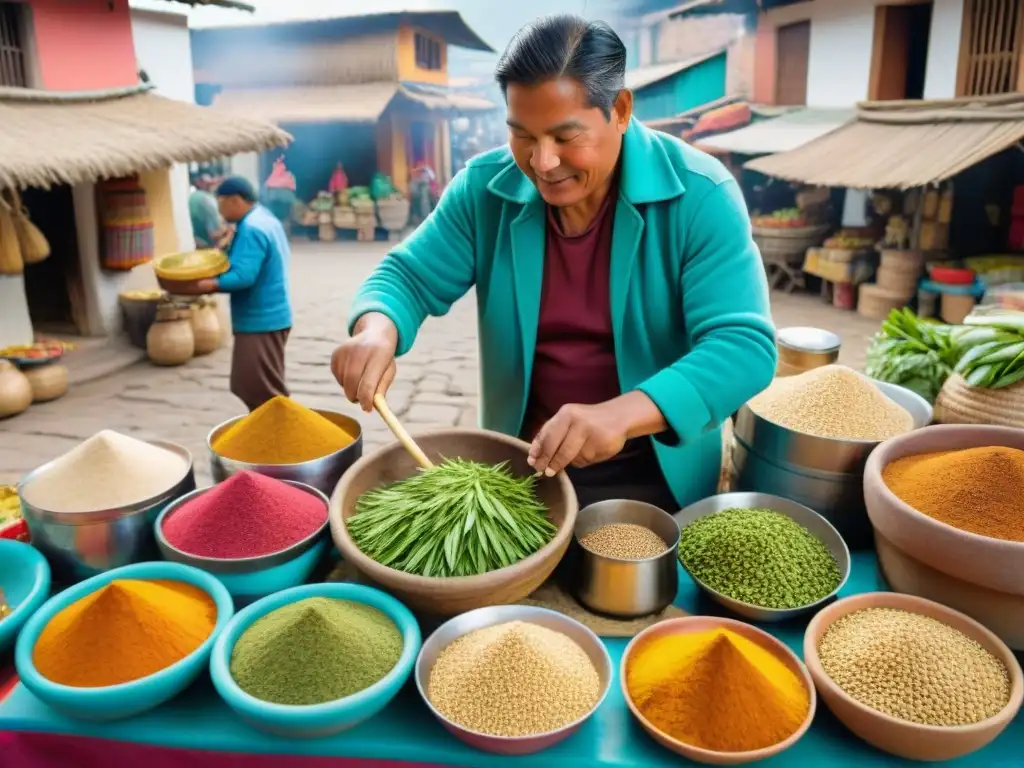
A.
pixel 759 556
pixel 315 650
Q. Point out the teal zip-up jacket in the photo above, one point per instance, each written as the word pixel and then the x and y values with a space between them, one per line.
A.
pixel 689 299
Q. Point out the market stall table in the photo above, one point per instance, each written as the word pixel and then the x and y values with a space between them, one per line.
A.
pixel 406 733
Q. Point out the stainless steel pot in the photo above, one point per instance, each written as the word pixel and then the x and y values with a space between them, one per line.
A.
pixel 619 587
pixel 83 544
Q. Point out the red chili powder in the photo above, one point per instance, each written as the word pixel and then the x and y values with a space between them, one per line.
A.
pixel 247 515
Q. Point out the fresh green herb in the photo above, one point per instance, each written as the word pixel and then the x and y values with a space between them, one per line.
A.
pixel 913 353
pixel 459 518
pixel 991 347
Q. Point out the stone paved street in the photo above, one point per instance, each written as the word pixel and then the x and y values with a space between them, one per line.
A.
pixel 436 385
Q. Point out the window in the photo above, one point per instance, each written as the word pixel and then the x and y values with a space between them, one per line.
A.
pixel 991 46
pixel 792 53
pixel 12 49
pixel 428 52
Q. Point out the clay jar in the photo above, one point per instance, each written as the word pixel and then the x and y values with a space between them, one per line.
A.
pixel 15 390
pixel 206 328
pixel 170 340
pixel 48 381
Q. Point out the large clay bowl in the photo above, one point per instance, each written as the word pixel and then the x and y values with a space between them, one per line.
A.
pixel 444 597
pixel 990 563
pixel 899 737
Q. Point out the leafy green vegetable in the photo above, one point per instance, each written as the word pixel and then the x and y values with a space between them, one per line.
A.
pixel 459 518
pixel 991 347
pixel 912 353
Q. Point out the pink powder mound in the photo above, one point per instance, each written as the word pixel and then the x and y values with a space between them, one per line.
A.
pixel 248 515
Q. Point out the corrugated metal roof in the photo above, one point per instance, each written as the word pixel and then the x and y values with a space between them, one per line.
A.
pixel 779 134
pixel 641 77
pixel 902 145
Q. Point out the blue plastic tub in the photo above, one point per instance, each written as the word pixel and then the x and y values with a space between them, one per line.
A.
pixel 25 580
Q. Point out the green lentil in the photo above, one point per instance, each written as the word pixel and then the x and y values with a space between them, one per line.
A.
pixel 315 650
pixel 759 556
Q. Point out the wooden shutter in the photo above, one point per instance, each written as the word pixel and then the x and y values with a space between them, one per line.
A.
pixel 991 46
pixel 12 49
pixel 792 52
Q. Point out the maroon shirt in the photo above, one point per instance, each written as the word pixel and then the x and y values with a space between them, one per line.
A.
pixel 574 361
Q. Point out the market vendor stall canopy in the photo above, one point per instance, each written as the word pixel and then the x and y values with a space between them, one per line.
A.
pixel 347 103
pixel 51 138
pixel 904 144
pixel 784 133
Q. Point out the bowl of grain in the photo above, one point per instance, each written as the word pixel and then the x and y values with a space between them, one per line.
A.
pixel 717 691
pixel 949 497
pixel 761 556
pixel 93 508
pixel 513 679
pixel 623 558
pixel 912 677
pixel 446 596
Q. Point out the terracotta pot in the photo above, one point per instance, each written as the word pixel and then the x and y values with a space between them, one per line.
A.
pixel 987 562
pixel 901 737
pixel 206 328
pixel 170 342
pixel 15 390
pixel 443 597
pixel 48 381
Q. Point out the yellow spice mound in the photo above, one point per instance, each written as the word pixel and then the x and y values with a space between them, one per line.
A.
pixel 281 432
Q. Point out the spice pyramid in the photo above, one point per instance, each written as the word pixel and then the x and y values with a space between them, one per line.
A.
pixel 127 630
pixel 281 432
pixel 723 693
pixel 107 470
pixel 315 650
pixel 247 515
pixel 977 490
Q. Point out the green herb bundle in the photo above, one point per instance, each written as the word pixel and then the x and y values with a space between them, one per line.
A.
pixel 459 518
pixel 913 353
pixel 991 345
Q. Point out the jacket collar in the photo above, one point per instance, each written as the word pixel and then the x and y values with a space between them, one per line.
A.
pixel 647 174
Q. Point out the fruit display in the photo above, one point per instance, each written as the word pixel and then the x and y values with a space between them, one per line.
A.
pixel 39 352
pixel 850 240
pixel 784 218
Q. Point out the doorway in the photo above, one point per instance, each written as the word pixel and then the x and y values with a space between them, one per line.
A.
pixel 792 61
pixel 900 51
pixel 53 287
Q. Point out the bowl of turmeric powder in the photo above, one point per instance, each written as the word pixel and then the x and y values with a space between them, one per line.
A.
pixel 717 691
pixel 287 441
pixel 124 641
pixel 949 496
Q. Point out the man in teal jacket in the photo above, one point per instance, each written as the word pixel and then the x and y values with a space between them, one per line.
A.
pixel 622 304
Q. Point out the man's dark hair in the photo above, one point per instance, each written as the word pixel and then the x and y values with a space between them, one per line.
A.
pixel 567 46
pixel 237 185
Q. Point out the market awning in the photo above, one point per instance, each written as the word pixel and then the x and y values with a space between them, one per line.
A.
pixel 905 144
pixel 779 134
pixel 49 137
pixel 360 103
pixel 642 77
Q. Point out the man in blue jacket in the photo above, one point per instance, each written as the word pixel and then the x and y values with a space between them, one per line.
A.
pixel 261 311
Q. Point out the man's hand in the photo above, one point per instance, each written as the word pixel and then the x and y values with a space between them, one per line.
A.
pixel 364 365
pixel 580 435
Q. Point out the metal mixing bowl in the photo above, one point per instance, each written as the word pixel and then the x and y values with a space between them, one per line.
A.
pixel 808 518
pixel 619 587
pixel 83 544
pixel 323 473
pixel 250 578
pixel 480 618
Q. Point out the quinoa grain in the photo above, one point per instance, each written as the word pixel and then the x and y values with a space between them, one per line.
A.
pixel 624 540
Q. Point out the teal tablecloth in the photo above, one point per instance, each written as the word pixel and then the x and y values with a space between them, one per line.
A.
pixel 406 732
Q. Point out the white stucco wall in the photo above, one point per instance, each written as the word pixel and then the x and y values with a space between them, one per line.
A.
pixel 164 50
pixel 15 326
pixel 839 68
pixel 943 49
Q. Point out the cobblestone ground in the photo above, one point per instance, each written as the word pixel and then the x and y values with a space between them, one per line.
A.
pixel 436 384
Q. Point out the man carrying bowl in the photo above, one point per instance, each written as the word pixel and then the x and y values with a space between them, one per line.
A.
pixel 622 304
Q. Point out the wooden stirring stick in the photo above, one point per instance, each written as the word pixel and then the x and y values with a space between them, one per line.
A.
pixel 399 432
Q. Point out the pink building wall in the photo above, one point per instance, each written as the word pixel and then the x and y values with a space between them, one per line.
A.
pixel 83 44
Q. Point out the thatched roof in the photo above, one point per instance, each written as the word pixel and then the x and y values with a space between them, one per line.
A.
pixel 53 138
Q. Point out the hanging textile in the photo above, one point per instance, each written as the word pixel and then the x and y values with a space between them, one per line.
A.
pixel 126 223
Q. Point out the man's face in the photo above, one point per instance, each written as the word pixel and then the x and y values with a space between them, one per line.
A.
pixel 232 208
pixel 567 148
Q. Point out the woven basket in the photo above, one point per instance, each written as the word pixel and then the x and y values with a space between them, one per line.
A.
pixel 897 281
pixel 876 303
pixel 904 261
pixel 785 241
pixel 960 403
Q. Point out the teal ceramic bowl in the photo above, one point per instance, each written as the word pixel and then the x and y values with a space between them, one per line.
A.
pixel 250 578
pixel 25 580
pixel 117 702
pixel 313 721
